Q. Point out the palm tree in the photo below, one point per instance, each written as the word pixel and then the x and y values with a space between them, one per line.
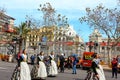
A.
pixel 22 30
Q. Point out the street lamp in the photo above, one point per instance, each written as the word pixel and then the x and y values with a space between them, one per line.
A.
pixel 96 43
pixel 90 46
pixel 103 44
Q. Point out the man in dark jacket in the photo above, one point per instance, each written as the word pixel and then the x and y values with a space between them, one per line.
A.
pixel 32 59
pixel 62 60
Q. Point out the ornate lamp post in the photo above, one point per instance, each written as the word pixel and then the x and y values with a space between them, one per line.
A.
pixel 90 46
pixel 96 43
pixel 103 44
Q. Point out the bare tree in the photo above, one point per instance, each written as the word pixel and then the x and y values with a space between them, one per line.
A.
pixel 118 2
pixel 2 11
pixel 32 23
pixel 48 14
pixel 106 20
pixel 62 20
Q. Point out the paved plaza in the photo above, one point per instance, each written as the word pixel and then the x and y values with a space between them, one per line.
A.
pixel 6 70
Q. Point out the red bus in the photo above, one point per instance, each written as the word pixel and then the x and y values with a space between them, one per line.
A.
pixel 87 59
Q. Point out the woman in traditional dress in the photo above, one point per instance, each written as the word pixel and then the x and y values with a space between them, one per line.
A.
pixel 24 68
pixel 22 71
pixel 97 68
pixel 42 73
pixel 53 66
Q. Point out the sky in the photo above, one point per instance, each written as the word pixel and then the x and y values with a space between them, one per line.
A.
pixel 72 9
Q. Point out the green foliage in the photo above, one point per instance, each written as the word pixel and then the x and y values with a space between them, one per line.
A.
pixel 23 29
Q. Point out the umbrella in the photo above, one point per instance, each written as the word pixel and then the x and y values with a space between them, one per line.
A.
pixel 74 55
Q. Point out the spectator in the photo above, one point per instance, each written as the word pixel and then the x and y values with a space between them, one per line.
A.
pixel 32 59
pixel 62 60
pixel 69 61
pixel 74 65
pixel 114 67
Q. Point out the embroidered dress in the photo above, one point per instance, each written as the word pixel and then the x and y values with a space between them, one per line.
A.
pixel 99 70
pixel 39 70
pixel 53 67
pixel 42 73
pixel 24 69
pixel 21 71
pixel 34 72
pixel 101 73
pixel 16 74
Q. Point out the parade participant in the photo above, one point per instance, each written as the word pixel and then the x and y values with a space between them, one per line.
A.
pixel 22 71
pixel 24 68
pixel 42 73
pixel 18 58
pixel 53 66
pixel 39 70
pixel 97 68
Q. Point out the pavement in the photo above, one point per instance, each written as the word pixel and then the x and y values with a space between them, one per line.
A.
pixel 106 68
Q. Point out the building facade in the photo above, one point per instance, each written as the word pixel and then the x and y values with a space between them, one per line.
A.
pixel 96 37
pixel 59 40
pixel 6 31
pixel 6 23
pixel 99 44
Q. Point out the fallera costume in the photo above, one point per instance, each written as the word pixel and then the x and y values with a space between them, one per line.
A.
pixel 39 70
pixel 24 69
pixel 42 73
pixel 24 72
pixel 53 67
pixel 97 68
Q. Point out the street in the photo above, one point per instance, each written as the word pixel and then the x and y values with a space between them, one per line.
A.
pixel 6 70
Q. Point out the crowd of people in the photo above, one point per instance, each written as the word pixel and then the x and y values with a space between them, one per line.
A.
pixel 45 66
pixel 41 68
